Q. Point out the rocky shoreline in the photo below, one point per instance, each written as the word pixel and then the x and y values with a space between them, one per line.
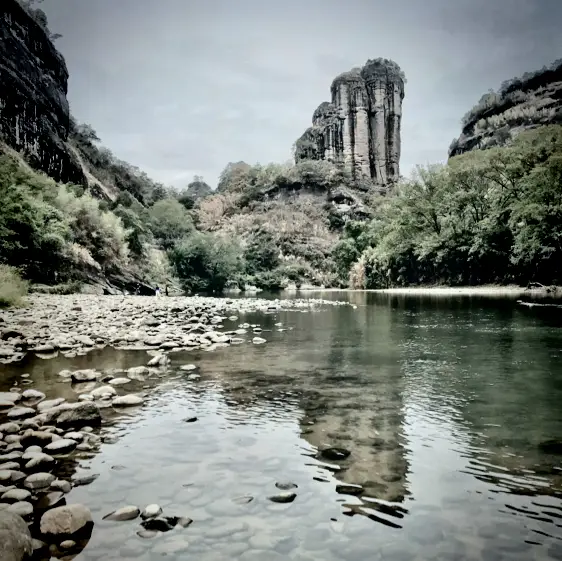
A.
pixel 38 434
pixel 77 324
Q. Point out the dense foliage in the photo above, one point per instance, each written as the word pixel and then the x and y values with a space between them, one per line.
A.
pixel 206 263
pixel 489 216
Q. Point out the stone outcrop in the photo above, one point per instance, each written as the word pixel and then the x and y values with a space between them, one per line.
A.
pixel 531 101
pixel 360 128
pixel 34 112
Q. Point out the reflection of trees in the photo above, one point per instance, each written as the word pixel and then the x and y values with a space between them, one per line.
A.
pixel 491 366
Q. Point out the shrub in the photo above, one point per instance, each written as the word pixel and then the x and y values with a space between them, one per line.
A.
pixel 12 287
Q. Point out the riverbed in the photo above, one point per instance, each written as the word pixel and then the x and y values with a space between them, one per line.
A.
pixel 441 410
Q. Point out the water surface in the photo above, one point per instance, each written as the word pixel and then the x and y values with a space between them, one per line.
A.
pixel 442 403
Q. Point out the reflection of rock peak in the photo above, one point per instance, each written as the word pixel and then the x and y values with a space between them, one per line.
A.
pixel 360 128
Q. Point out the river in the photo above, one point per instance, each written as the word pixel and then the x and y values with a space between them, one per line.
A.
pixel 441 402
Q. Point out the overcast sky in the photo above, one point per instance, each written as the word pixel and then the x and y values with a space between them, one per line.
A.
pixel 182 87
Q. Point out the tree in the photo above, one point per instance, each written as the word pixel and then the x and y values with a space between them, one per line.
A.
pixel 206 263
pixel 261 253
pixel 169 222
pixel 198 188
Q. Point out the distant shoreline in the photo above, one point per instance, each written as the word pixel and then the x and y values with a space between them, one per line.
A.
pixel 462 290
pixel 484 290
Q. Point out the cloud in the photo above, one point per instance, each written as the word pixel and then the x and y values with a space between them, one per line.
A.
pixel 183 87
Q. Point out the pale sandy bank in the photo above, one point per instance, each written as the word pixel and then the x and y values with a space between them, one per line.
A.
pixel 511 290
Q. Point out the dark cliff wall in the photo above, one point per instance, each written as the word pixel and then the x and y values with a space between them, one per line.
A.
pixel 360 128
pixel 531 101
pixel 34 112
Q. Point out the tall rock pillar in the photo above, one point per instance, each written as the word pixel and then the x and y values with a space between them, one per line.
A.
pixel 385 88
pixel 360 128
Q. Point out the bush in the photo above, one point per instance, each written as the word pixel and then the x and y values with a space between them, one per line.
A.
pixel 206 263
pixel 70 287
pixel 12 287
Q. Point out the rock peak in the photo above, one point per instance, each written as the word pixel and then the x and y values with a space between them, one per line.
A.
pixel 360 128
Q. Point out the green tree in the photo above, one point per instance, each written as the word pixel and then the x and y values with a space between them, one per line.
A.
pixel 206 263
pixel 169 222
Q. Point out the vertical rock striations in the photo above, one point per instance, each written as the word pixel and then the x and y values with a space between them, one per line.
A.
pixel 360 128
pixel 34 112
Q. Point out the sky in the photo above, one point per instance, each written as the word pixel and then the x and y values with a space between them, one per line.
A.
pixel 182 87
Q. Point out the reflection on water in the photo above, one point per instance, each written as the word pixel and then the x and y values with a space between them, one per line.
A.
pixel 442 404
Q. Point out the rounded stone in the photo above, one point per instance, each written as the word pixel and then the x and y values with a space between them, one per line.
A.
pixel 21 508
pixel 122 514
pixel 151 511
pixel 38 480
pixel 62 446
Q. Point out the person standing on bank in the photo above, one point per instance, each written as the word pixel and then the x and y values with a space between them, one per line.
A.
pixel 157 291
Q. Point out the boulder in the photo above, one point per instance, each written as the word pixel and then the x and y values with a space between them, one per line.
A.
pixel 66 521
pixel 73 414
pixel 15 539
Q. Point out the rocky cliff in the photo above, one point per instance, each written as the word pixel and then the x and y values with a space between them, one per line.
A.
pixel 360 128
pixel 531 101
pixel 34 112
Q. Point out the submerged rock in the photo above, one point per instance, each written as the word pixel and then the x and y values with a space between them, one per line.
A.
pixel 157 524
pixel 335 453
pixel 349 489
pixel 549 447
pixel 283 497
pixel 285 485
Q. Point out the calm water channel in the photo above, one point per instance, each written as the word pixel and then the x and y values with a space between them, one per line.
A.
pixel 442 402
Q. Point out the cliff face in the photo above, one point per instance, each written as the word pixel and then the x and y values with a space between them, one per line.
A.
pixel 531 101
pixel 360 128
pixel 34 112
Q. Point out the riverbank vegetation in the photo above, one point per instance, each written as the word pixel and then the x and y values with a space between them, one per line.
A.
pixel 488 216
pixel 12 287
